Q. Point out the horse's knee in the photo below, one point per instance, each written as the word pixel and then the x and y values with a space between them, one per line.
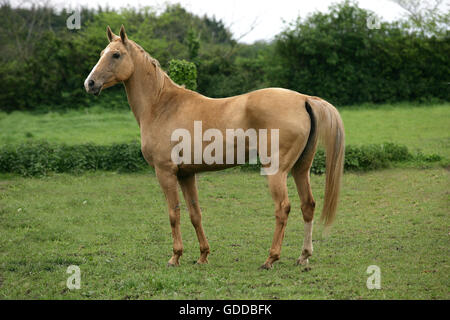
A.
pixel 286 207
pixel 282 212
pixel 308 210
pixel 196 219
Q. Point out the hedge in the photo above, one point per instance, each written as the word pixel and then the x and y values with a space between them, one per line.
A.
pixel 41 158
pixel 331 54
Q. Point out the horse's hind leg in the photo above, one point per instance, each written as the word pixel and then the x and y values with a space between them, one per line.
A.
pixel 278 189
pixel 301 175
pixel 189 188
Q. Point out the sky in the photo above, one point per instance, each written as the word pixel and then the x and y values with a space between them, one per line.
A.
pixel 249 20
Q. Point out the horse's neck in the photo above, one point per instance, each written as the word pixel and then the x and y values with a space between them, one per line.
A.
pixel 143 93
pixel 141 97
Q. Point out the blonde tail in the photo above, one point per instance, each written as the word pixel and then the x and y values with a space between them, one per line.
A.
pixel 330 130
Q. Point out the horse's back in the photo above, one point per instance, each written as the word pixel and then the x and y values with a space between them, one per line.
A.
pixel 278 108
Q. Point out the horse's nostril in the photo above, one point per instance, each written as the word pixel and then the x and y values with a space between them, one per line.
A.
pixel 91 83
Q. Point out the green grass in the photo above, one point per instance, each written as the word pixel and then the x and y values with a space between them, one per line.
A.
pixel 424 128
pixel 116 229
pixel 418 127
pixel 96 125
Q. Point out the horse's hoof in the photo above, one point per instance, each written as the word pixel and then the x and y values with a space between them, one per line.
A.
pixel 170 265
pixel 302 261
pixel 306 269
pixel 202 261
pixel 266 266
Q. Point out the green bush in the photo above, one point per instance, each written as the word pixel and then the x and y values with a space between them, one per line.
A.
pixel 183 72
pixel 420 157
pixel 335 56
pixel 40 158
pixel 331 54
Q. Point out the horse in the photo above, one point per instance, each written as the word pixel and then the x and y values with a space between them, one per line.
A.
pixel 161 106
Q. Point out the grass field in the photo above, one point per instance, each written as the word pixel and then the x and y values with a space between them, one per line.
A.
pixel 422 128
pixel 116 229
pixel 72 127
pixel 419 128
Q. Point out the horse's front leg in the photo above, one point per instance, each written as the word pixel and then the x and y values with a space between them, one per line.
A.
pixel 189 188
pixel 168 182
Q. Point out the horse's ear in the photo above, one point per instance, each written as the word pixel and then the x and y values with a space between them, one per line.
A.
pixel 110 34
pixel 123 35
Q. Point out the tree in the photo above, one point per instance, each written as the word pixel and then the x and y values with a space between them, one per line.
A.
pixel 426 16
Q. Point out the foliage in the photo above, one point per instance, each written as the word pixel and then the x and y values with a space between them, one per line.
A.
pixel 333 55
pixel 193 43
pixel 426 17
pixel 183 73
pixel 336 56
pixel 40 158
pixel 52 72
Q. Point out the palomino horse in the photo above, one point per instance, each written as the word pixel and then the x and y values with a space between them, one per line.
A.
pixel 161 106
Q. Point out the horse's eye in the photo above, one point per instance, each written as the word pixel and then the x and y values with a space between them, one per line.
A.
pixel 116 55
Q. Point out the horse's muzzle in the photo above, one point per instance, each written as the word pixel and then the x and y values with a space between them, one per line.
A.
pixel 93 87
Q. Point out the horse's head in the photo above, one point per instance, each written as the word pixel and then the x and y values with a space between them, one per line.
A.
pixel 115 64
